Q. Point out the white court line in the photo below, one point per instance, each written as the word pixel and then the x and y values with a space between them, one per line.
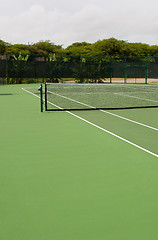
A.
pixel 30 92
pixel 129 120
pixel 71 99
pixel 111 133
pixel 43 98
pixel 146 99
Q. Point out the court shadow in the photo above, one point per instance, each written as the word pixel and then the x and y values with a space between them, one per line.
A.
pixel 5 94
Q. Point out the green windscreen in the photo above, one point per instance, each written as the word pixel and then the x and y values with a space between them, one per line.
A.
pixel 21 68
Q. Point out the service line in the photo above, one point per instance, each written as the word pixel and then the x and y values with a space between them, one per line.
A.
pixel 103 129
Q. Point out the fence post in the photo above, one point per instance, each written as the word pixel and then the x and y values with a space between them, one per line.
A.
pixel 125 73
pixel 111 69
pixel 147 64
pixel 6 68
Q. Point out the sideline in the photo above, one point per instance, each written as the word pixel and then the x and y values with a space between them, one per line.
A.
pixel 105 130
pixel 115 115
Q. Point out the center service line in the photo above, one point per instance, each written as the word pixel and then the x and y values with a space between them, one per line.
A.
pixel 94 125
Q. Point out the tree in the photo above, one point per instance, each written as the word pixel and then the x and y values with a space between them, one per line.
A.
pixel 154 50
pixel 108 47
pixel 138 49
pixel 46 47
pixel 18 48
pixel 79 49
pixel 102 48
pixel 3 46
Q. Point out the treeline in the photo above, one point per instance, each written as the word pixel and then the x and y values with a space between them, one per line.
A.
pixel 107 47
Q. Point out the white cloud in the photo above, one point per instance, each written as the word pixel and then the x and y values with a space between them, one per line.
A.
pixel 93 20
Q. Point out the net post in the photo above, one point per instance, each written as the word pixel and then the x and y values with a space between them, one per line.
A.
pixel 45 96
pixel 146 77
pixel 41 97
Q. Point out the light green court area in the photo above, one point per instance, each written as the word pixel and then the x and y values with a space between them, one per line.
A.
pixel 141 135
pixel 63 179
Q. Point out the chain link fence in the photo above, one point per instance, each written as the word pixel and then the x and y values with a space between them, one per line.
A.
pixel 19 68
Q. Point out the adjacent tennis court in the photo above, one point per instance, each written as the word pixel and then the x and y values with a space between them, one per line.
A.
pixel 79 174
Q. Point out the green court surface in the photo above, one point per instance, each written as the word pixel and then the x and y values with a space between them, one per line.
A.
pixel 86 176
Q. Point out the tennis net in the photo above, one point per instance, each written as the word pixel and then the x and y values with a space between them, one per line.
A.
pixel 72 97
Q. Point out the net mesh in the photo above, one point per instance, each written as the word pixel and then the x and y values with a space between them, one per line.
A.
pixel 99 96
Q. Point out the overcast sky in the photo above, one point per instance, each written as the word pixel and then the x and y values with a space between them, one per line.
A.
pixel 66 21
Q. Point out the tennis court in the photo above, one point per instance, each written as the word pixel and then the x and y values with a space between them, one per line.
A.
pixel 79 175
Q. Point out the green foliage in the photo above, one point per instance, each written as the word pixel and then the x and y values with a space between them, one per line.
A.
pixel 21 57
pixel 3 46
pixel 102 48
pixel 154 50
pixel 51 58
pixel 108 47
pixel 138 49
pixel 46 47
pixel 79 49
pixel 18 48
pixel 111 47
